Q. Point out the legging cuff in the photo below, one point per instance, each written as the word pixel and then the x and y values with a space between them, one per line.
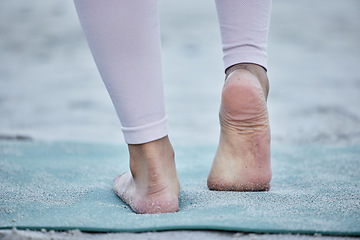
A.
pixel 233 58
pixel 146 133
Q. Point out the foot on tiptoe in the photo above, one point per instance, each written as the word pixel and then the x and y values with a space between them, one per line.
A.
pixel 242 160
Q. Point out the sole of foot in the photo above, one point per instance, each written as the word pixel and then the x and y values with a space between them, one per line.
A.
pixel 242 160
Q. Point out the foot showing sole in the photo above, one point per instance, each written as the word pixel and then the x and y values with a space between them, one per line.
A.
pixel 242 160
pixel 152 186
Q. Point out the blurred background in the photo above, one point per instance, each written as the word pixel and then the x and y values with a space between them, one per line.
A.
pixel 50 89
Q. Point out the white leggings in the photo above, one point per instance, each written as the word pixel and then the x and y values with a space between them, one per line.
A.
pixel 124 38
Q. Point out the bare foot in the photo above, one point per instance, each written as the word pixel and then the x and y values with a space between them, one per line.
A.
pixel 152 185
pixel 242 160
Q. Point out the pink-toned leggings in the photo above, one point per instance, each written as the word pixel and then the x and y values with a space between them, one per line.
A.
pixel 124 38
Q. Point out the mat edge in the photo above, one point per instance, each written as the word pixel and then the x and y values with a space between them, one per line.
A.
pixel 183 227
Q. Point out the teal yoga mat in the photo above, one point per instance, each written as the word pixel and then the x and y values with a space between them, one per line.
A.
pixel 61 186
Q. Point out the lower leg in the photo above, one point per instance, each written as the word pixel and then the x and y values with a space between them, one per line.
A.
pixel 242 160
pixel 124 38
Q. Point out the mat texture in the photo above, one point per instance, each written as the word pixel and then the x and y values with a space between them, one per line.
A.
pixel 61 186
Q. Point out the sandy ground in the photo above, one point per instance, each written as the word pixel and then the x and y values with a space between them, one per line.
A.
pixel 50 89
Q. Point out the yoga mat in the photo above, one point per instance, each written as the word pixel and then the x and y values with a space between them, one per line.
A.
pixel 62 186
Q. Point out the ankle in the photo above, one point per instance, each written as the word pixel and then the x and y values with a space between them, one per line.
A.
pixel 150 150
pixel 150 154
pixel 152 162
